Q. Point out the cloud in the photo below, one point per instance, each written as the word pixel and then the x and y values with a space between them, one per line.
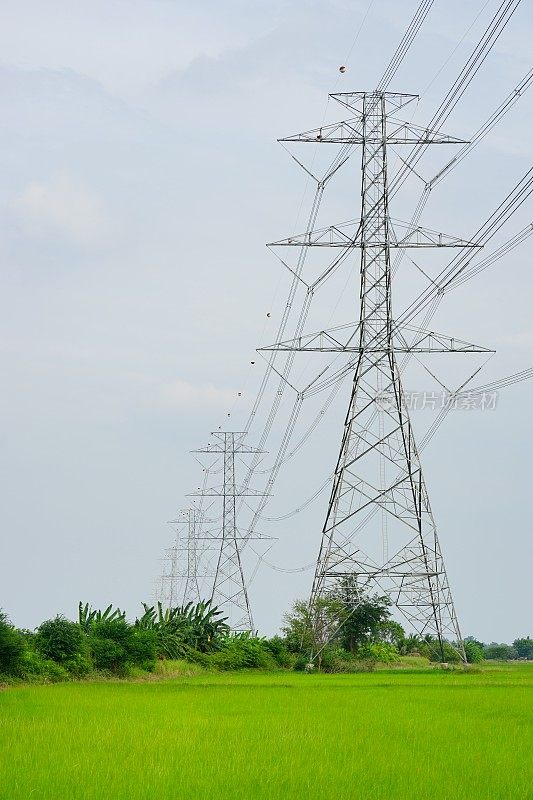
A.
pixel 187 396
pixel 62 208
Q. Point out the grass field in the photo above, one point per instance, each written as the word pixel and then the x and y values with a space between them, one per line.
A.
pixel 381 735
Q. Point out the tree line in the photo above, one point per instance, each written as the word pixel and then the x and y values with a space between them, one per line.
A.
pixel 347 631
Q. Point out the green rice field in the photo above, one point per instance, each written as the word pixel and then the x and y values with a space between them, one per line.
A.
pixel 398 735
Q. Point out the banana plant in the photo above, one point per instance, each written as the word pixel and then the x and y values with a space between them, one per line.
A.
pixel 88 615
pixel 198 626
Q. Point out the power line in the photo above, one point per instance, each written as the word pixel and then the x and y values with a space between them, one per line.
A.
pixel 405 43
pixel 495 28
pixel 391 70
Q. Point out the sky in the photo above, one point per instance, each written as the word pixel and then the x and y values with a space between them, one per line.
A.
pixel 141 179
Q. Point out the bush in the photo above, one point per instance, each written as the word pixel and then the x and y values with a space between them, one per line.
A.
pixel 338 660
pixel 59 639
pixel 239 652
pixel 141 650
pixel 107 654
pixel 195 657
pixel 12 647
pixel 301 663
pixel 382 652
pixel 78 666
pixel 473 651
pixel 115 630
pixel 430 648
pixel 116 645
pixel 35 666
pixel 279 651
pixel 333 659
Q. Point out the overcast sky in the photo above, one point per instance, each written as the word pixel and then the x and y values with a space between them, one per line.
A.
pixel 140 181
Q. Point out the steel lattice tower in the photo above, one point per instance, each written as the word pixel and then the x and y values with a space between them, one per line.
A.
pixel 229 591
pixel 181 583
pixel 379 532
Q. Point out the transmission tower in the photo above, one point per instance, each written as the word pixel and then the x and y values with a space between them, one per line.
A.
pixel 229 591
pixel 183 572
pixel 380 535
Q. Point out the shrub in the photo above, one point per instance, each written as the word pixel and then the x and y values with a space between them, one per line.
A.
pixel 78 666
pixel 116 630
pixel 338 660
pixel 378 652
pixel 35 666
pixel 12 647
pixel 473 651
pixel 301 663
pixel 279 650
pixel 115 645
pixel 195 657
pixel 430 648
pixel 141 650
pixel 59 639
pixel 332 659
pixel 240 652
pixel 107 654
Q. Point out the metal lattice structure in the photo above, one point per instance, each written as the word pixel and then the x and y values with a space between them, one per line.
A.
pixel 229 589
pixel 380 534
pixel 181 576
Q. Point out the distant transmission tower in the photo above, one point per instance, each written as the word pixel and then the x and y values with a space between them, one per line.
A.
pixel 182 576
pixel 229 590
pixel 380 534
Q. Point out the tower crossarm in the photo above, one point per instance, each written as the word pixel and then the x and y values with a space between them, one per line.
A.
pixel 355 130
pixel 350 234
pixel 221 491
pixel 348 132
pixel 345 339
pixel 220 444
pixel 361 101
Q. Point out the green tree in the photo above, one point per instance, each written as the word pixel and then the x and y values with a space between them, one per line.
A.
pixel 499 652
pixel 59 639
pixel 393 633
pixel 361 617
pixel 115 644
pixel 524 648
pixel 12 647
pixel 307 628
pixel 346 619
pixel 473 651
